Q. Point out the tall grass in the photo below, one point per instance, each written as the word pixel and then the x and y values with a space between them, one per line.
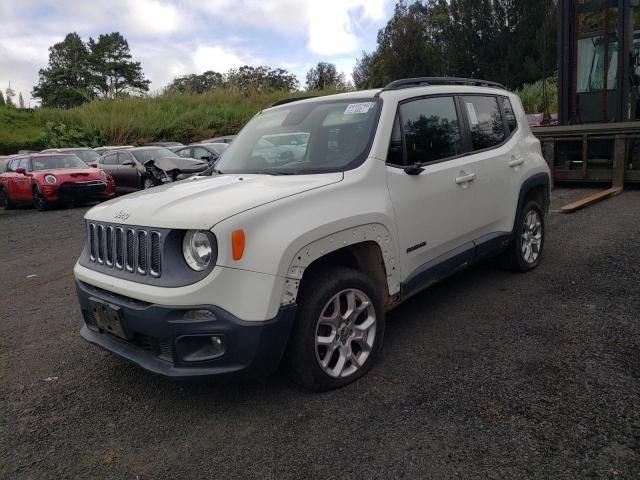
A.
pixel 532 98
pixel 172 117
pixel 19 130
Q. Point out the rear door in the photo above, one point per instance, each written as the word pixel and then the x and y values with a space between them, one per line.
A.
pixel 491 154
pixel 433 201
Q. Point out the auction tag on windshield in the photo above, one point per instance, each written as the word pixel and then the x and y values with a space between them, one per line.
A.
pixel 358 108
pixel 473 118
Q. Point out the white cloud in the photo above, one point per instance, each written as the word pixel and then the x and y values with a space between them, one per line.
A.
pixel 219 59
pixel 149 17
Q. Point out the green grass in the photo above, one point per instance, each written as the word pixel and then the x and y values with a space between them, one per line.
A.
pixel 177 117
pixel 19 129
pixel 532 99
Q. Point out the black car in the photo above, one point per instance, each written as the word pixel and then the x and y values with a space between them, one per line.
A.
pixel 145 167
pixel 209 152
pixel 87 155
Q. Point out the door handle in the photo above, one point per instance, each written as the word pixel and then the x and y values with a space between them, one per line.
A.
pixel 516 162
pixel 466 178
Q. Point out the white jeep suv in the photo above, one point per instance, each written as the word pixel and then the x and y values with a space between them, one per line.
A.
pixel 323 214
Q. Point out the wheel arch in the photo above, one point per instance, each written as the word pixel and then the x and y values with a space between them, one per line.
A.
pixel 366 248
pixel 536 187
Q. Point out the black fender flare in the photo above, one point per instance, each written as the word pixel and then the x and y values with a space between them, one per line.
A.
pixel 534 181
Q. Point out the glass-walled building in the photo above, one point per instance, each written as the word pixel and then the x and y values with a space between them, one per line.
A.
pixel 599 61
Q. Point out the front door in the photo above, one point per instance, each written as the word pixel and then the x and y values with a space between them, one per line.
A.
pixel 434 201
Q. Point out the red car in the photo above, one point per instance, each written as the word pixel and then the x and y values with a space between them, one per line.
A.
pixel 46 179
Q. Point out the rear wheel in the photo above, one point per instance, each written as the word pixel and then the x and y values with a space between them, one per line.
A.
pixel 524 252
pixel 38 200
pixel 338 331
pixel 6 201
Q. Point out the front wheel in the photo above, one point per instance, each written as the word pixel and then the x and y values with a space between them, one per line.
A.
pixel 38 200
pixel 148 183
pixel 526 248
pixel 338 332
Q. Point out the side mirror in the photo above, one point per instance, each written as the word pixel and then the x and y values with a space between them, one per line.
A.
pixel 415 169
pixel 128 163
pixel 21 171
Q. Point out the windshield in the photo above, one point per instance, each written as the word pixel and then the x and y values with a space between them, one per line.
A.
pixel 313 137
pixel 88 156
pixel 153 153
pixel 57 161
pixel 218 148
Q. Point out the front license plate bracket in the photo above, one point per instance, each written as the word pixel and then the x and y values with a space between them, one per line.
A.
pixel 108 318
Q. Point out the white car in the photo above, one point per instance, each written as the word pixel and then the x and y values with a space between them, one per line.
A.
pixel 296 258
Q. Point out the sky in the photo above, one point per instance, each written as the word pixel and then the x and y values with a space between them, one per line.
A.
pixel 177 37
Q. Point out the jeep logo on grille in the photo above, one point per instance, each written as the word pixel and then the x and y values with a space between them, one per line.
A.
pixel 122 215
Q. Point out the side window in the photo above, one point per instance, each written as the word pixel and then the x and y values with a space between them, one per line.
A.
pixel 24 163
pixel 200 153
pixel 509 114
pixel 125 157
pixel 111 159
pixel 431 129
pixel 184 153
pixel 13 164
pixel 485 121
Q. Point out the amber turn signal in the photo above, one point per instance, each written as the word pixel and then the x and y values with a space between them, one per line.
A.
pixel 237 244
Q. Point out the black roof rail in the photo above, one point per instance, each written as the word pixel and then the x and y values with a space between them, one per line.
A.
pixel 284 101
pixel 423 81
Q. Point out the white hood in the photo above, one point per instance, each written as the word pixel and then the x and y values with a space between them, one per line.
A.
pixel 201 202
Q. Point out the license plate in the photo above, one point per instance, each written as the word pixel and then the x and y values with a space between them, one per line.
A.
pixel 108 318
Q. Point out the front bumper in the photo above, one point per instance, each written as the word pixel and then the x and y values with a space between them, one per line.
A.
pixel 253 349
pixel 77 191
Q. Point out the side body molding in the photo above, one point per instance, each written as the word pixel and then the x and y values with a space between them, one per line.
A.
pixel 317 249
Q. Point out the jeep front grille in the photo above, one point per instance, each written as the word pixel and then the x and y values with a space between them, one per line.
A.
pixel 135 250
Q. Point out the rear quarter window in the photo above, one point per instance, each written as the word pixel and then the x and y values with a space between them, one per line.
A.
pixel 485 121
pixel 509 114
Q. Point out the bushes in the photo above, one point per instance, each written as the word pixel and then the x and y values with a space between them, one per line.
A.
pixel 19 130
pixel 531 95
pixel 172 117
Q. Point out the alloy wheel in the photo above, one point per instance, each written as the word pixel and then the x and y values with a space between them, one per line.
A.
pixel 531 237
pixel 345 333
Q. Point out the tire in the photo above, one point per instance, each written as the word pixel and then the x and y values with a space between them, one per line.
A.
pixel 5 200
pixel 318 363
pixel 38 200
pixel 147 183
pixel 528 231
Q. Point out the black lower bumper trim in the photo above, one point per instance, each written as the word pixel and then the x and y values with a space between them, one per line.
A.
pixel 253 349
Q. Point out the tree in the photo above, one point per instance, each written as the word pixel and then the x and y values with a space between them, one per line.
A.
pixel 246 79
pixel 2 104
pixel 9 94
pixel 412 44
pixel 325 75
pixel 66 82
pixel 21 100
pixel 196 83
pixel 112 71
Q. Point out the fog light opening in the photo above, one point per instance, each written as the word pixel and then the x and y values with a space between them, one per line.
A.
pixel 199 316
pixel 200 348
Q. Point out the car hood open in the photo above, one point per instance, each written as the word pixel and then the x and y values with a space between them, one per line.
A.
pixel 201 202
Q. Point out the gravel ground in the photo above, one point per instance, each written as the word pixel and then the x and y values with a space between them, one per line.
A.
pixel 487 375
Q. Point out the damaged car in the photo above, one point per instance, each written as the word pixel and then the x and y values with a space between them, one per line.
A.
pixel 146 167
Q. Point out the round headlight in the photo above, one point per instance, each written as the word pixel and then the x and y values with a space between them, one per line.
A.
pixel 50 179
pixel 197 249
